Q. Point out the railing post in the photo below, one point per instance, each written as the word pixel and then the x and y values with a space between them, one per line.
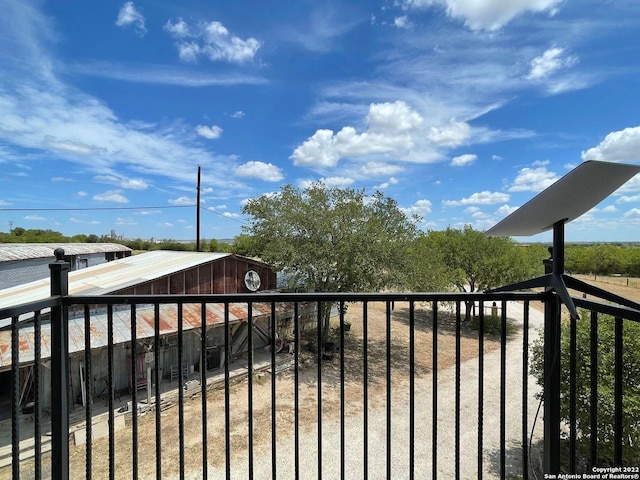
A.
pixel 59 370
pixel 552 363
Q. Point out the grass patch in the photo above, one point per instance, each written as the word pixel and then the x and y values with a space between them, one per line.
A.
pixel 492 325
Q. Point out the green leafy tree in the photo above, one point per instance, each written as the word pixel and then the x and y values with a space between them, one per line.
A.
pixel 475 262
pixel 606 387
pixel 332 239
pixel 245 245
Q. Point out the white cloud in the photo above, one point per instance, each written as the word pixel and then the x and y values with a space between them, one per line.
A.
pixel 34 218
pixel 497 158
pixel 387 184
pixel 4 202
pixel 264 171
pixel 551 61
pixel 380 169
pixel 82 194
pixel 480 198
pixel 505 210
pixel 463 160
pixel 339 182
pixel 122 182
pixel 451 135
pixel 610 209
pixel 390 130
pixel 62 179
pixel 238 114
pixel 211 40
pixel 401 22
pixel 487 14
pixel 111 196
pixel 210 133
pixel 533 180
pixel 619 146
pixel 633 213
pixel 129 15
pixel 182 201
pixel 628 199
pixel 420 208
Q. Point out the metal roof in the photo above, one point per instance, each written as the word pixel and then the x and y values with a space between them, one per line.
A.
pixel 111 276
pixel 145 324
pixel 574 194
pixel 26 251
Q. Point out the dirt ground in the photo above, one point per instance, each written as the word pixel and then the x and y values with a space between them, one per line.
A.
pixel 285 386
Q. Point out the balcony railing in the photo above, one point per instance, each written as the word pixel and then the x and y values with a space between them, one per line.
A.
pixel 406 388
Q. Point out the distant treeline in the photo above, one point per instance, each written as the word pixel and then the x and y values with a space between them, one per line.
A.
pixel 603 259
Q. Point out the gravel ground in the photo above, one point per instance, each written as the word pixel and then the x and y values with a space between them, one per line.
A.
pixel 445 460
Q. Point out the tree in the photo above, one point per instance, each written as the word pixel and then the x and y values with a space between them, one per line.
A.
pixel 606 386
pixel 332 239
pixel 475 262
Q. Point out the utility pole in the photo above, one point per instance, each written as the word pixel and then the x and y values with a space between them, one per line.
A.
pixel 198 214
pixel 10 226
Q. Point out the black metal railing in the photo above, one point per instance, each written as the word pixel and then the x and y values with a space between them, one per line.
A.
pixel 380 370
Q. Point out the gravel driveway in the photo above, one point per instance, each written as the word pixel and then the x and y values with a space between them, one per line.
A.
pixel 400 425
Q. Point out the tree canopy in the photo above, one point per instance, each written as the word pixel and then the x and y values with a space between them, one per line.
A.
pixel 332 239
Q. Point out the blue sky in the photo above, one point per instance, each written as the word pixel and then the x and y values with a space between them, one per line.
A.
pixel 461 110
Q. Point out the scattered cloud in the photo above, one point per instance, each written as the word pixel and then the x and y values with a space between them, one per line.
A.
pixel 210 133
pixel 463 160
pixel 62 179
pixel 390 130
pixel 480 198
pixel 401 22
pixel 122 182
pixel 609 209
pixel 452 135
pixel 183 201
pixel 37 218
pixel 380 169
pixel 533 180
pixel 387 184
pixel 211 40
pixel 550 62
pixel 111 196
pixel 420 208
pixel 628 199
pixel 4 203
pixel 238 114
pixel 488 15
pixel 129 15
pixel 619 146
pixel 264 171
pixel 633 213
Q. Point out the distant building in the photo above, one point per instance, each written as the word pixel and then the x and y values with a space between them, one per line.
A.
pixel 157 272
pixel 26 262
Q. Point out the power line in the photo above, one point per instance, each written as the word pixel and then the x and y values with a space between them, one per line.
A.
pixel 224 216
pixel 88 208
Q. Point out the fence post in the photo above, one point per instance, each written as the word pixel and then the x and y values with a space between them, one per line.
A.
pixel 59 370
pixel 552 364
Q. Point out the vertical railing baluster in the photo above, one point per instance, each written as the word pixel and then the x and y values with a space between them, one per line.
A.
pixel 203 386
pixel 412 388
pixel 110 389
pixel 227 400
pixel 134 393
pixel 593 372
pixel 618 428
pixel 296 393
pixel 388 374
pixel 181 375
pixel 525 392
pixel 59 369
pixel 457 393
pixel 250 385
pixel 365 386
pixel 572 394
pixel 320 338
pixel 88 383
pixel 434 393
pixel 480 387
pixel 503 389
pixel 15 397
pixel 274 335
pixel 156 365
pixel 37 340
pixel 342 404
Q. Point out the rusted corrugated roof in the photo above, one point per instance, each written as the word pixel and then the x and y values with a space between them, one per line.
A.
pixel 26 251
pixel 112 276
pixel 145 327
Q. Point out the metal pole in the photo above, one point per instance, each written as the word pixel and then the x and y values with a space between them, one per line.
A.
pixel 59 370
pixel 198 214
pixel 555 265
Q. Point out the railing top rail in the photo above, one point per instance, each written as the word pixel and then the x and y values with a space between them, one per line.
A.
pixel 302 297
pixel 608 309
pixel 24 308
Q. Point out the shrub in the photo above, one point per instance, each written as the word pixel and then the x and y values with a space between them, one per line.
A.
pixel 606 386
pixel 492 325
